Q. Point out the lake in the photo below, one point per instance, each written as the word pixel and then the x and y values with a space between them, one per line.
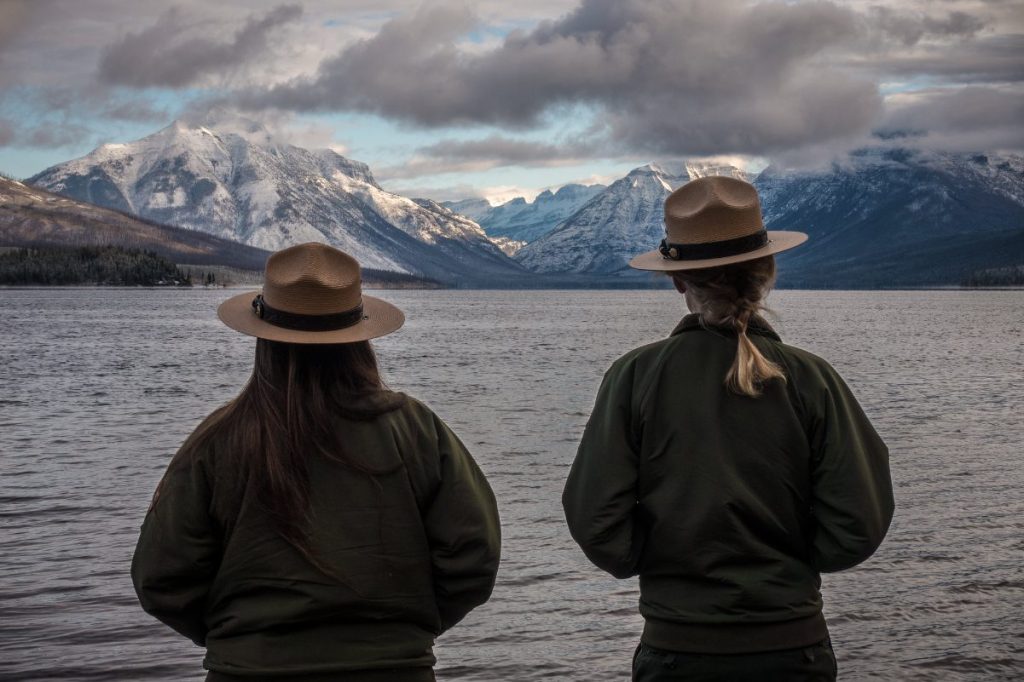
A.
pixel 100 387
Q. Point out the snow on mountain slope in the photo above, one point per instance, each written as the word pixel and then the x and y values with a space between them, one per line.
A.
pixel 250 189
pixel 509 246
pixel 621 221
pixel 882 217
pixel 523 221
pixel 474 209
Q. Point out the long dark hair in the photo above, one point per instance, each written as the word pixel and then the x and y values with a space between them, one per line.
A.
pixel 287 413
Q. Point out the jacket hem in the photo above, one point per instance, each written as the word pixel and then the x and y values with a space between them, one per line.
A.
pixel 733 638
pixel 417 674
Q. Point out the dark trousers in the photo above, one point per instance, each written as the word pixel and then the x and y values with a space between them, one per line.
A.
pixel 815 663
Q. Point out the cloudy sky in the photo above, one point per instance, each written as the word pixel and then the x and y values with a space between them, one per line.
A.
pixel 495 98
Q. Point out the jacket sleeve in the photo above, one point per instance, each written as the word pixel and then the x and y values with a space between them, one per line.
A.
pixel 600 498
pixel 178 551
pixel 852 494
pixel 463 530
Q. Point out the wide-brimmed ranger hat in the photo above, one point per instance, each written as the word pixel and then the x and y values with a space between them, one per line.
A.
pixel 713 221
pixel 312 293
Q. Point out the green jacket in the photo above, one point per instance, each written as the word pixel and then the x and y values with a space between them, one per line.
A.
pixel 414 550
pixel 728 507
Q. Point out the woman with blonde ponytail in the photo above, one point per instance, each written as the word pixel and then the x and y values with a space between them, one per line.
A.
pixel 725 468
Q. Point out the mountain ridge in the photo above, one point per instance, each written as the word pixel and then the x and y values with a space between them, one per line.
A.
pixel 880 217
pixel 31 217
pixel 272 195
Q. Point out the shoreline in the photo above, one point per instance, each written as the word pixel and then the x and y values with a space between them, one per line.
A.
pixel 376 286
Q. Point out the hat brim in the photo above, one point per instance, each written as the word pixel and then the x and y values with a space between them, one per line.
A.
pixel 778 241
pixel 379 318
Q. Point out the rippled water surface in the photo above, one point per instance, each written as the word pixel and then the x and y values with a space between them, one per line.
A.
pixel 100 386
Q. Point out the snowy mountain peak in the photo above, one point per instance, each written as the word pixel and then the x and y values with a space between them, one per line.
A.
pixel 622 218
pixel 250 189
pixel 893 208
pixel 670 169
pixel 522 221
pixel 692 169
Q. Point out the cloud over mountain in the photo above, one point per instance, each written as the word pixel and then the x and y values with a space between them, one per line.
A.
pixel 536 84
pixel 975 117
pixel 700 77
pixel 169 54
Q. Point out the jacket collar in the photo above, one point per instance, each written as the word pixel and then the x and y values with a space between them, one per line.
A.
pixel 757 325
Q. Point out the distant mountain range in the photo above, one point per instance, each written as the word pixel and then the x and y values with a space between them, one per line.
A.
pixel 523 221
pixel 245 187
pixel 622 220
pixel 895 217
pixel 881 218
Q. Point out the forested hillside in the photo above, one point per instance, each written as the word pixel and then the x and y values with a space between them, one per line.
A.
pixel 101 265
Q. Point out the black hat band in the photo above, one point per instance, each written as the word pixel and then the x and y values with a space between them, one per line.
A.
pixel 722 249
pixel 306 323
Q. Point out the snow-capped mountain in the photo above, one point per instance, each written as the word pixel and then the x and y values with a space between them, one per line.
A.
pixel 246 187
pixel 888 217
pixel 622 220
pixel 520 220
pixel 882 217
pixel 474 209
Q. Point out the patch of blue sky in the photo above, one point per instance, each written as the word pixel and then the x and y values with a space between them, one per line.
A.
pixel 375 18
pixel 493 33
pixel 22 163
pixel 910 85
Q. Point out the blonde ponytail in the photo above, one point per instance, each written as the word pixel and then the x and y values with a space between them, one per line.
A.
pixel 730 296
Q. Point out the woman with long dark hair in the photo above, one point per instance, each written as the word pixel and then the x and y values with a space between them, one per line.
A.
pixel 725 468
pixel 318 526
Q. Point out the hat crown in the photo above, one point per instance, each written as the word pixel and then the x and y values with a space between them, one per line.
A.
pixel 312 279
pixel 711 209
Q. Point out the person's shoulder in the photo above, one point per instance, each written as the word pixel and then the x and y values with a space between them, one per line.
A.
pixel 208 431
pixel 412 406
pixel 202 445
pixel 418 414
pixel 801 355
pixel 807 366
pixel 641 355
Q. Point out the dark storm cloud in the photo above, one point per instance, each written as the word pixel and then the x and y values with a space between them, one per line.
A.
pixel 39 136
pixel 993 59
pixel 410 68
pixel 672 76
pixel 977 118
pixel 94 101
pixel 504 148
pixel 14 15
pixel 166 55
pixel 909 28
pixel 46 136
pixel 138 111
pixel 494 151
